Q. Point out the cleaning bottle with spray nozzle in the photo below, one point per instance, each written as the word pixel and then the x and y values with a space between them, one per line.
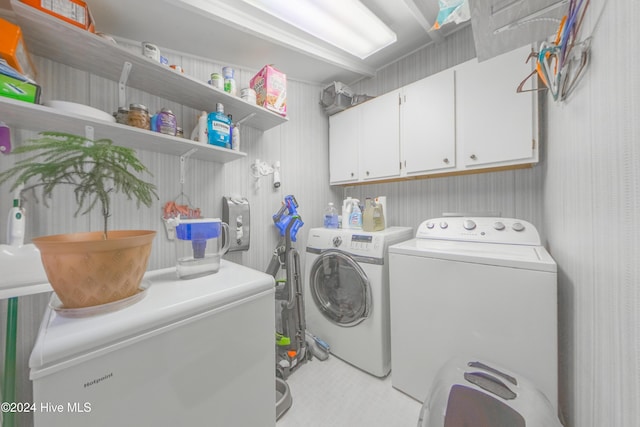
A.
pixel 355 219
pixel 346 212
pixel 15 221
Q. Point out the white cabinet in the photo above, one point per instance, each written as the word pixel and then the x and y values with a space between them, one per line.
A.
pixel 427 131
pixel 468 118
pixel 379 143
pixel 495 125
pixel 344 139
pixel 364 141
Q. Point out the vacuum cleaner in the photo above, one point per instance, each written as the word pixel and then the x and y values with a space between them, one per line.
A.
pixel 291 346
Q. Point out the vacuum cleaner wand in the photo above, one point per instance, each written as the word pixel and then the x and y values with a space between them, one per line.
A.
pixel 287 214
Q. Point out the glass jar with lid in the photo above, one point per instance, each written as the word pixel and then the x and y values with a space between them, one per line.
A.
pixel 122 116
pixel 139 116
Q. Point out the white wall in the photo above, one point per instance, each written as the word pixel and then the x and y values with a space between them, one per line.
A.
pixel 584 197
pixel 591 209
pixel 301 146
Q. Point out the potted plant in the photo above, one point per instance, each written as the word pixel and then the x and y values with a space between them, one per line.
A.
pixel 87 269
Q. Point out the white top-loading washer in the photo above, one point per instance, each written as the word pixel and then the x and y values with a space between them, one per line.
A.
pixel 347 293
pixel 191 352
pixel 480 286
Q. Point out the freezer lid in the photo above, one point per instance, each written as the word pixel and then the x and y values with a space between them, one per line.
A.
pixel 515 256
pixel 63 340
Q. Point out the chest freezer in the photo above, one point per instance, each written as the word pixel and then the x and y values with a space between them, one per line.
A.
pixel 190 352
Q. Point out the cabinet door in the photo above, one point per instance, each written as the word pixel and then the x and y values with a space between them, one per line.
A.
pixel 494 124
pixel 344 137
pixel 427 133
pixel 380 143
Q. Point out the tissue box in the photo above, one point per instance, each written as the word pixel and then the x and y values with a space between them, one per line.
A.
pixel 271 89
pixel 12 49
pixel 74 12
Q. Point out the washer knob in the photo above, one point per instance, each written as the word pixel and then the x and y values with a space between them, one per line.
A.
pixel 517 226
pixel 443 225
pixel 498 226
pixel 430 225
pixel 469 224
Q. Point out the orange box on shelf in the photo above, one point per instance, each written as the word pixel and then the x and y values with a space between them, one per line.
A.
pixel 74 12
pixel 13 51
pixel 271 89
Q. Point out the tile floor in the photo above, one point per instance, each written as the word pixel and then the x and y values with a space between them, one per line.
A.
pixel 335 394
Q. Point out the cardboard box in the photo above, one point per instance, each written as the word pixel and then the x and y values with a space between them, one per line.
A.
pixel 21 90
pixel 74 12
pixel 271 89
pixel 13 50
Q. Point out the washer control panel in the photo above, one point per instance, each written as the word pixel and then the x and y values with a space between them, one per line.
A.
pixel 365 244
pixel 480 229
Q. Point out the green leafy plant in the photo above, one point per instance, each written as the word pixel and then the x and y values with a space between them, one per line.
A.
pixel 95 169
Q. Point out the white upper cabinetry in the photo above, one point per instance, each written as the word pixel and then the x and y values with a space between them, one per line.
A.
pixel 495 125
pixel 52 38
pixel 468 118
pixel 379 146
pixel 364 141
pixel 344 141
pixel 428 125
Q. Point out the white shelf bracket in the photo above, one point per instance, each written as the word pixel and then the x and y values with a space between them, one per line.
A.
pixel 183 161
pixel 122 84
pixel 89 132
pixel 244 119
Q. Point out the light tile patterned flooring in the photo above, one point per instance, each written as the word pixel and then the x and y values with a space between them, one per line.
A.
pixel 335 394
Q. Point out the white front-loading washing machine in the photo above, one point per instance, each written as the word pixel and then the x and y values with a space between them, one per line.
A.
pixel 347 293
pixel 473 286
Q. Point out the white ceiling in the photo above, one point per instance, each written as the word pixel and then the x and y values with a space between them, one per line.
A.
pixel 176 26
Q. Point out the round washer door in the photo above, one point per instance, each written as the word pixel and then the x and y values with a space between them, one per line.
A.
pixel 340 288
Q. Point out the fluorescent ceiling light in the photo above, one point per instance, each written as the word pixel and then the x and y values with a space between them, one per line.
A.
pixel 346 24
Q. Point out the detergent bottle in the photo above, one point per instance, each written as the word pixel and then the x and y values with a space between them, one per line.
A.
pixel 346 212
pixel 382 202
pixel 379 221
pixel 355 219
pixel 367 215
pixel 373 216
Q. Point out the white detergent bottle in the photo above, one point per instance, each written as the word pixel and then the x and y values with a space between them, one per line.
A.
pixel 355 219
pixel 347 206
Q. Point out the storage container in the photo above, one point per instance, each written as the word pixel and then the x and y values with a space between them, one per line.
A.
pixel 336 97
pixel 13 51
pixel 75 12
pixel 200 243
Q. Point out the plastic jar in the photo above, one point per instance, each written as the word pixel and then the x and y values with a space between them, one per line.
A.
pixel 229 81
pixel 139 116
pixel 217 81
pixel 164 122
pixel 228 72
pixel 248 95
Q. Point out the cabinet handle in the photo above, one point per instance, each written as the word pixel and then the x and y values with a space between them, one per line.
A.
pixel 352 174
pixel 445 160
pixel 473 157
pixel 367 173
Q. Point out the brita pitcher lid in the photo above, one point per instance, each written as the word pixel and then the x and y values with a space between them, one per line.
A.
pixel 198 229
